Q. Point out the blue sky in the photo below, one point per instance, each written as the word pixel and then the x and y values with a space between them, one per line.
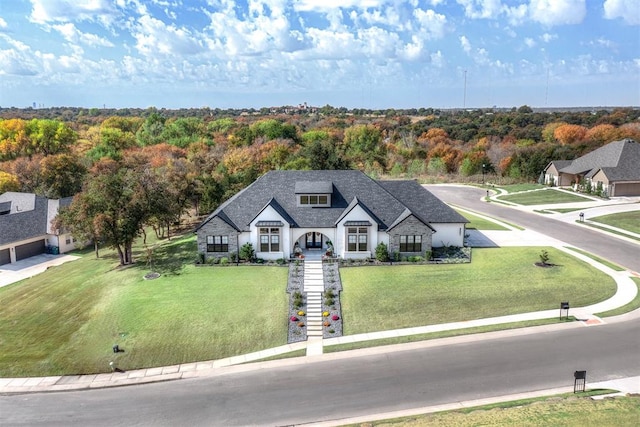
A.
pixel 352 53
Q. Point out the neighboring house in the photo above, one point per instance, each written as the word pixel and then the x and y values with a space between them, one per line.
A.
pixel 25 226
pixel 286 210
pixel 615 166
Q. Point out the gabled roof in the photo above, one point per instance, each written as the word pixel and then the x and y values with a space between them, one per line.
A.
pixel 620 159
pixel 559 164
pixel 355 202
pixel 384 201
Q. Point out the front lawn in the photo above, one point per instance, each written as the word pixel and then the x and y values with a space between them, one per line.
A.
pixel 543 197
pixel 629 221
pixel 478 223
pixel 497 282
pixel 516 188
pixel 66 320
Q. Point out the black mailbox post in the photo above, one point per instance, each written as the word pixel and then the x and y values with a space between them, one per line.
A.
pixel 579 381
pixel 564 306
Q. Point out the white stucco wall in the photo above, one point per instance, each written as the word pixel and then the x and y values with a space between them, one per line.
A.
pixel 356 214
pixel 448 234
pixel 270 214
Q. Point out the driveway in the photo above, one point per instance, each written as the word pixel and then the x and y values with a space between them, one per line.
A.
pixel 23 269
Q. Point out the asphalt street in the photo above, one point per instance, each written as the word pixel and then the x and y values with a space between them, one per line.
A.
pixel 326 390
pixel 620 251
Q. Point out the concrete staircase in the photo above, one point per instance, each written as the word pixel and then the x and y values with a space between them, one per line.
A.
pixel 314 288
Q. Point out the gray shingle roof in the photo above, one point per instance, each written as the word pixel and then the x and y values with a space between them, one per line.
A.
pixel 619 160
pixel 25 224
pixel 384 200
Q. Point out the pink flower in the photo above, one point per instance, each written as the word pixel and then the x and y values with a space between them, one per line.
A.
pixel 294 318
pixel 335 317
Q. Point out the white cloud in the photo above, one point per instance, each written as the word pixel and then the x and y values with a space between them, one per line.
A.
pixel 484 9
pixel 557 12
pixel 45 11
pixel 432 25
pixel 529 42
pixel 546 37
pixel 628 10
pixel 154 36
pixel 324 5
pixel 3 23
pixel 466 45
pixel 73 35
pixel 516 15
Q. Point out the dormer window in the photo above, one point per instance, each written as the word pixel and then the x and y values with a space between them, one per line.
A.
pixel 314 194
pixel 314 200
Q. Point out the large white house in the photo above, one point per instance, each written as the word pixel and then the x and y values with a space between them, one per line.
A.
pixel 286 211
pixel 25 226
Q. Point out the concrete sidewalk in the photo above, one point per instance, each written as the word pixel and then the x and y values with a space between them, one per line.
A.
pixel 626 292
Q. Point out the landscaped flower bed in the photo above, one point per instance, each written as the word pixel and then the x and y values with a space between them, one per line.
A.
pixel 297 303
pixel 332 312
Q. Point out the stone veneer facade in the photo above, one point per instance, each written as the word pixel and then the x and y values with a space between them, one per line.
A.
pixel 217 227
pixel 410 226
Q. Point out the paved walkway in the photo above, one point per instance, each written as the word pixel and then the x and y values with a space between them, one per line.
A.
pixel 314 287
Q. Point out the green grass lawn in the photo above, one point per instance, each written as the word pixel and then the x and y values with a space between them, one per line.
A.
pixel 629 221
pixel 516 188
pixel 66 320
pixel 498 282
pixel 478 223
pixel 566 411
pixel 543 197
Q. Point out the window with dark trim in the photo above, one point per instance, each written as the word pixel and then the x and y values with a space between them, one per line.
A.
pixel 411 243
pixel 269 239
pixel 357 239
pixel 217 243
pixel 321 200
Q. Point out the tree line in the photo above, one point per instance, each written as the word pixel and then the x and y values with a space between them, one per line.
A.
pixel 147 170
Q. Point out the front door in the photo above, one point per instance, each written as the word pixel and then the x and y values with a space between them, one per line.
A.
pixel 314 241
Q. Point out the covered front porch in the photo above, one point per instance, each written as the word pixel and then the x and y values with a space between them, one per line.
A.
pixel 312 245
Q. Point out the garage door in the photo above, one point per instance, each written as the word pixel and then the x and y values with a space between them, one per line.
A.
pixel 29 250
pixel 5 258
pixel 624 189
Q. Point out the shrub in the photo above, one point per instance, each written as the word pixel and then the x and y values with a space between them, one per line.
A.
pixel 224 260
pixel 259 261
pixel 214 261
pixel 246 252
pixel 328 293
pixel 331 331
pixel 329 301
pixel 200 258
pixel 382 252
pixel 233 256
pixel 280 261
pixel 428 254
pixel 326 323
pixel 396 256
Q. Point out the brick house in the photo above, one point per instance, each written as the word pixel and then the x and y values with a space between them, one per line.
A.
pixel 284 212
